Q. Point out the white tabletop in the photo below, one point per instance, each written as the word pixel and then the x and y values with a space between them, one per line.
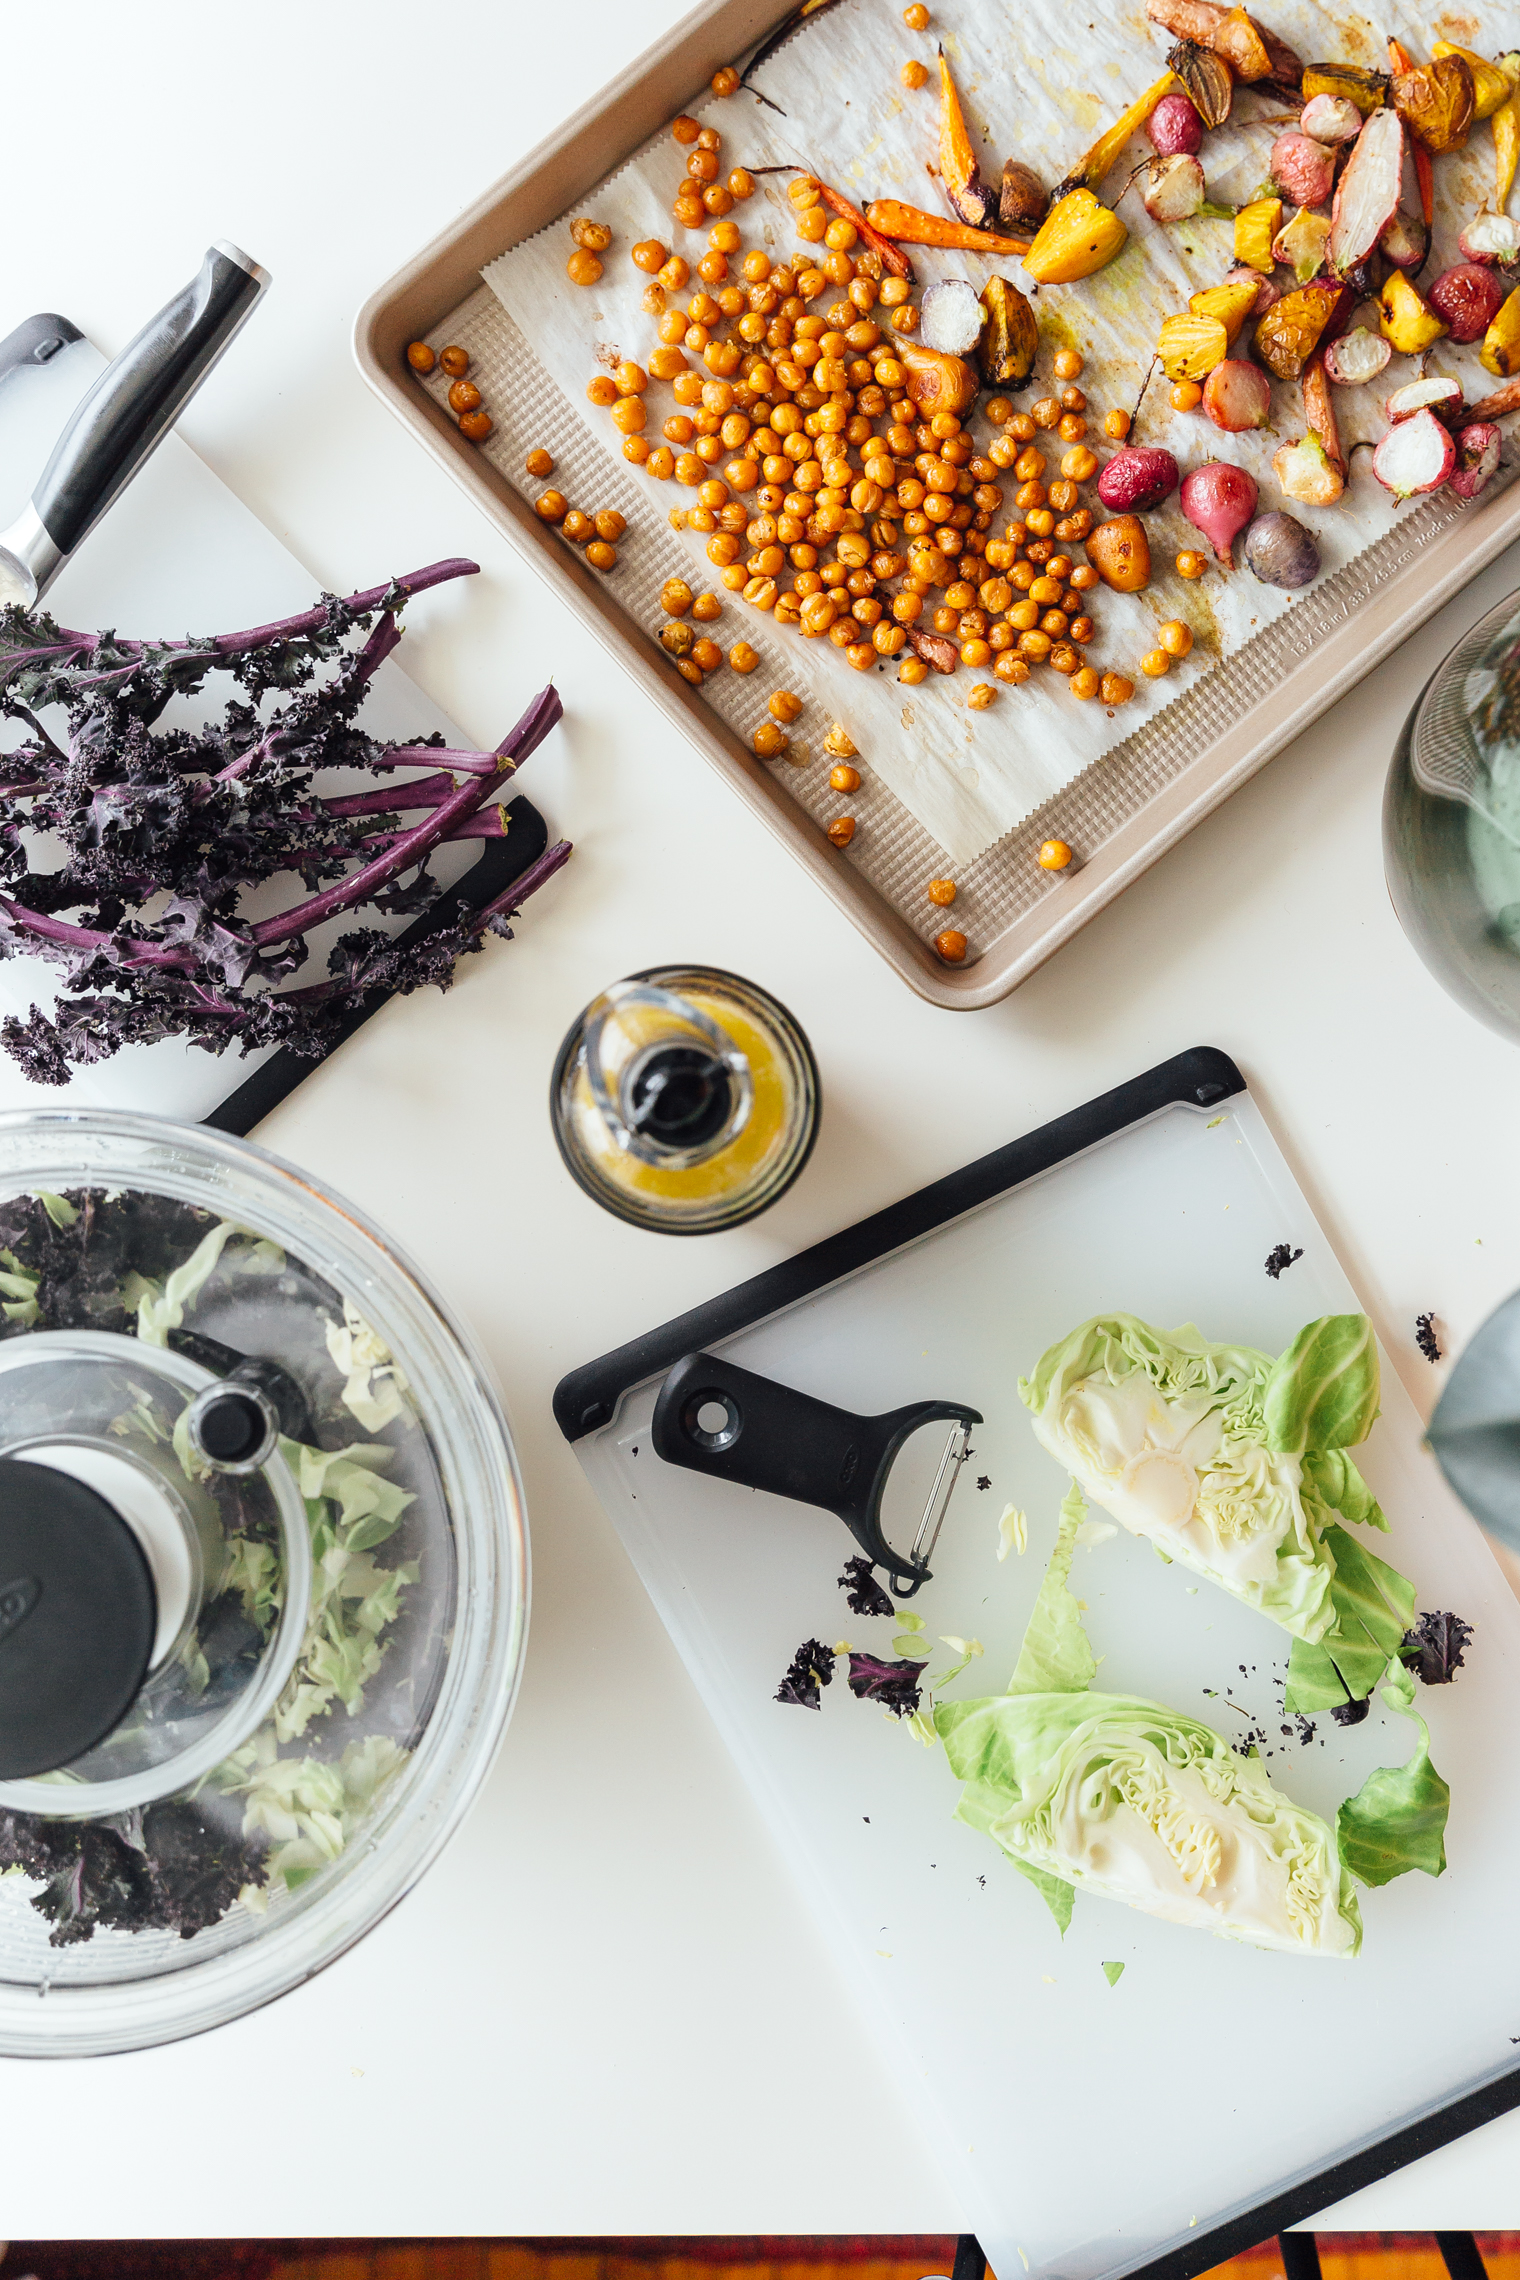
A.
pixel 607 2008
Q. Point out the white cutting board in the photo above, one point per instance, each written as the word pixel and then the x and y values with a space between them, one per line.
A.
pixel 1090 2127
pixel 178 553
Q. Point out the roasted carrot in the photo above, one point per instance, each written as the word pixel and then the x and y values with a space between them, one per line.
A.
pixel 958 171
pixel 892 255
pixel 1319 410
pixel 911 225
pixel 1104 156
pixel 1495 407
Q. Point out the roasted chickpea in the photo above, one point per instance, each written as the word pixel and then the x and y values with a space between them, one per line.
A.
pixel 601 389
pixel 475 426
pixel 689 212
pixel 783 706
pixel 577 527
pixel 725 80
pixel 951 946
pixel 1186 396
pixel 551 507
pixel 675 272
pixel 1079 464
pixel 594 237
pixel 661 462
pixel 1175 637
pixel 583 268
pixel 677 640
pixel 911 670
pixel 684 129
pixel 1155 663
pixel 454 360
pixel 741 183
pixel 770 740
pixel 649 255
pixel 842 830
pixel 1116 425
pixel 1036 646
pixel 742 658
pixel 1054 855
pixel 1063 658
pixel 1071 427
pixel 689 670
pixel 629 415
pixel 1045 413
pixel 1067 364
pixel 941 892
pixel 539 463
pixel 419 356
pixel 1082 578
pixel 464 396
pixel 636 448
pixel 1082 630
pixel 601 554
pixel 916 17
pixel 1084 683
pixel 1117 689
pixel 980 695
pixel 1010 666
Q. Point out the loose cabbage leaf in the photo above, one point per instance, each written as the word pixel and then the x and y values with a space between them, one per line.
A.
pixel 1372 1607
pixel 1397 1819
pixel 1323 1392
pixel 1055 1657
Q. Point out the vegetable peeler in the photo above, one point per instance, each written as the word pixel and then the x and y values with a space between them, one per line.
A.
pixel 713 1417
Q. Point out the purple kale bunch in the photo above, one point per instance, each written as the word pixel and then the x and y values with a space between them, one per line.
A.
pixel 893 1684
pixel 863 1594
pixel 163 831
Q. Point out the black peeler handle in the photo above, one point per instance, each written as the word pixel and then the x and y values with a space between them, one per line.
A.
pixel 770 1436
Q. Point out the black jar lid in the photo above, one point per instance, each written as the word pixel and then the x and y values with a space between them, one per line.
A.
pixel 77 1617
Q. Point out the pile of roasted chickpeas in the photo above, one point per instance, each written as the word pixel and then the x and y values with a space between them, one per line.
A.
pixel 830 498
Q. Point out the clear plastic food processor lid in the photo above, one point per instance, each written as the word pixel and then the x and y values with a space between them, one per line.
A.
pixel 263 1575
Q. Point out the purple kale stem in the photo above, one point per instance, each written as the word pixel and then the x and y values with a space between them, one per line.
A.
pixel 553 859
pixel 421 792
pixel 414 844
pixel 49 929
pixel 462 763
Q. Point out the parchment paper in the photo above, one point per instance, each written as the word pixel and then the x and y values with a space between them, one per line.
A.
pixel 1039 83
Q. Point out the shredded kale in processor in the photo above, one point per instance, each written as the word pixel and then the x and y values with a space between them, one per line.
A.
pixel 288 1801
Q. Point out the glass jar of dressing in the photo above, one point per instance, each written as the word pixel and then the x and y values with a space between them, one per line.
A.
pixel 685 1099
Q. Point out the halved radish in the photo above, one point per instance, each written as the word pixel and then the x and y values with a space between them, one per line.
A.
pixel 1415 457
pixel 1405 242
pixel 1356 357
pixel 1491 237
pixel 1367 195
pixel 1440 396
pixel 952 317
pixel 1478 449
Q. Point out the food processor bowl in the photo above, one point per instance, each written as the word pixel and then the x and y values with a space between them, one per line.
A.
pixel 260 1496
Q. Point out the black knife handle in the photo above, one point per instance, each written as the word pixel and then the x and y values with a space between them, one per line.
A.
pixel 36 340
pixel 138 397
pixel 772 1437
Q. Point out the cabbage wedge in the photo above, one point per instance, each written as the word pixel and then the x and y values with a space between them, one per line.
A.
pixel 1114 1795
pixel 1234 1464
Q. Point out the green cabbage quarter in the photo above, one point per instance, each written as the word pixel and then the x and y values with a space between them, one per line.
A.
pixel 1235 1466
pixel 1120 1797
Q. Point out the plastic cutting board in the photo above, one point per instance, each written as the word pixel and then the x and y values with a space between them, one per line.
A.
pixel 1216 2092
pixel 177 553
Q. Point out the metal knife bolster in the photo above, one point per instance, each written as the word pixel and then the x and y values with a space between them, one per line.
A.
pixel 29 560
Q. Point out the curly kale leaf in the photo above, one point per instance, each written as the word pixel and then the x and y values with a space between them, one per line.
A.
pixel 864 1595
pixel 810 1668
pixel 1434 1648
pixel 893 1684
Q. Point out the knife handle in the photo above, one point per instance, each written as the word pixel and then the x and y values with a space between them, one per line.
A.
pixel 139 396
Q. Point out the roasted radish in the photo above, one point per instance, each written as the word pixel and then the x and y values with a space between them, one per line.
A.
pixel 1175 129
pixel 1219 500
pixel 1331 119
pixel 1024 200
pixel 1238 395
pixel 1491 237
pixel 1443 397
pixel 1357 357
pixel 1308 473
pixel 1302 168
pixel 1414 457
pixel 1468 297
pixel 951 317
pixel 1477 457
pixel 1367 195
pixel 1172 189
pixel 1137 478
pixel 1266 291
pixel 1405 242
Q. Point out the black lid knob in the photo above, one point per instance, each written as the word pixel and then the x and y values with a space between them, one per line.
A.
pixel 77 1616
pixel 231 1427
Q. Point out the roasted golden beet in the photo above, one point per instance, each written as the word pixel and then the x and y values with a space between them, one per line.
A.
pixel 1231 304
pixel 937 381
pixel 1491 85
pixel 1010 337
pixel 1436 103
pixel 1368 90
pixel 1405 317
pixel 1293 327
pixel 1120 552
pixel 1190 347
pixel 1107 150
pixel 1500 353
pixel 1256 226
pixel 1077 236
